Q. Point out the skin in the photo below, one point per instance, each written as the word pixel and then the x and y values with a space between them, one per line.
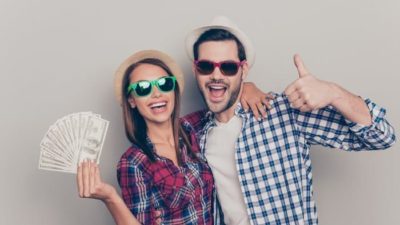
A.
pixel 143 104
pixel 308 93
pixel 159 123
pixel 223 105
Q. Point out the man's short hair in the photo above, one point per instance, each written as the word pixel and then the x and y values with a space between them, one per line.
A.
pixel 218 35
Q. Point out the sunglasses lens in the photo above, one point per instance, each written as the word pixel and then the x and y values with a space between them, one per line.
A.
pixel 229 68
pixel 205 67
pixel 166 84
pixel 143 88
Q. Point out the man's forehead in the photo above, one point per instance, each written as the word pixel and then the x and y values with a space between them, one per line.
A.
pixel 218 50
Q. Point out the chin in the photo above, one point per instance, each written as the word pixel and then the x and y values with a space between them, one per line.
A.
pixel 217 107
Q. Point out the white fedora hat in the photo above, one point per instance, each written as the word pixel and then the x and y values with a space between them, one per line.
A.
pixel 221 22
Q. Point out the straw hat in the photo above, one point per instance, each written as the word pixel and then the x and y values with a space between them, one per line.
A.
pixel 145 54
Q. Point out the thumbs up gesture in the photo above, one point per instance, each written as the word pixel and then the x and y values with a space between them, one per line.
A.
pixel 308 93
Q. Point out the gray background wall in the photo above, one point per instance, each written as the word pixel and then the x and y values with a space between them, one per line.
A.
pixel 58 57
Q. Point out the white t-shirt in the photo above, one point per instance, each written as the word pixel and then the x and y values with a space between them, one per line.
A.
pixel 220 154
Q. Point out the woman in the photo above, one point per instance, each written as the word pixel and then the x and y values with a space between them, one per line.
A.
pixel 162 177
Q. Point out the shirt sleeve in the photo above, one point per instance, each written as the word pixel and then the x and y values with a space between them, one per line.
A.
pixel 328 127
pixel 135 189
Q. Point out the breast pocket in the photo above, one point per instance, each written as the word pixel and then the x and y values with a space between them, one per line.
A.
pixel 172 186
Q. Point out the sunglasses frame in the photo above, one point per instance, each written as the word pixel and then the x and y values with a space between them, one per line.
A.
pixel 132 86
pixel 218 64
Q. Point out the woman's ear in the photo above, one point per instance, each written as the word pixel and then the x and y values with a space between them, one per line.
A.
pixel 132 102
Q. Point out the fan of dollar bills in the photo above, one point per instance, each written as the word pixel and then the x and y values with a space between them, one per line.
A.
pixel 72 139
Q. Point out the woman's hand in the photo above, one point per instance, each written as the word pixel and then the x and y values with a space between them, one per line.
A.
pixel 255 99
pixel 90 184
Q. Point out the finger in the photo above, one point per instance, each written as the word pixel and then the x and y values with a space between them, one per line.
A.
pixel 270 96
pixel 294 96
pixel 266 103
pixel 291 88
pixel 244 104
pixel 157 213
pixel 254 109
pixel 85 173
pixel 97 178
pixel 298 103
pixel 305 108
pixel 301 68
pixel 92 184
pixel 261 109
pixel 79 180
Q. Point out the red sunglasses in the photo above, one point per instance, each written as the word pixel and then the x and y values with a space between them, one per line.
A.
pixel 227 68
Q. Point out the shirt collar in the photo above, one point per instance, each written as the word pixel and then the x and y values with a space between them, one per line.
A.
pixel 210 116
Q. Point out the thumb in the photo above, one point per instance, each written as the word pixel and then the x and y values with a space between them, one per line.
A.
pixel 301 68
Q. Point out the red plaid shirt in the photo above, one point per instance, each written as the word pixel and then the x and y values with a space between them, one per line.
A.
pixel 183 195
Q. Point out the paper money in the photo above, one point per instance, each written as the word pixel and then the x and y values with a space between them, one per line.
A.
pixel 72 139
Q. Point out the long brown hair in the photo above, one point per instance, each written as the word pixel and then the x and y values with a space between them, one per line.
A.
pixel 135 125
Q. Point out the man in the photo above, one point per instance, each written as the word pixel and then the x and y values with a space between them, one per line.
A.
pixel 262 168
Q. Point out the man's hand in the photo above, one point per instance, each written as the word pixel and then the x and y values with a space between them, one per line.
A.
pixel 308 93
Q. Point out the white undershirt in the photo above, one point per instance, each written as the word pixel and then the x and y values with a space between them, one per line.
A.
pixel 220 154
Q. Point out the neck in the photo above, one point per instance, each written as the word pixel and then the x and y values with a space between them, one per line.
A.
pixel 161 133
pixel 226 115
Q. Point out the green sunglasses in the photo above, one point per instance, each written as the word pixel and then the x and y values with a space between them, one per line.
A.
pixel 145 87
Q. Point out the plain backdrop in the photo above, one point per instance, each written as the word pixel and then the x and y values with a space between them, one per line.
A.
pixel 58 57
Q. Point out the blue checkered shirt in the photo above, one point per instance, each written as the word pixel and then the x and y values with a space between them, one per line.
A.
pixel 273 155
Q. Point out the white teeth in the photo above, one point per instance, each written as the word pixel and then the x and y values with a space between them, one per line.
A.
pixel 158 104
pixel 217 87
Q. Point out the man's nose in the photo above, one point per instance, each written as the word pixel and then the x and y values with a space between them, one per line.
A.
pixel 217 74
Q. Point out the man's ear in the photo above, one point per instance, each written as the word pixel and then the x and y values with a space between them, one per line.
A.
pixel 132 102
pixel 194 69
pixel 245 68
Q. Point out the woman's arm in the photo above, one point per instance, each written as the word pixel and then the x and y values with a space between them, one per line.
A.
pixel 90 185
pixel 255 99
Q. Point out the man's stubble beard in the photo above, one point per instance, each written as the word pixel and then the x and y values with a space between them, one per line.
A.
pixel 232 100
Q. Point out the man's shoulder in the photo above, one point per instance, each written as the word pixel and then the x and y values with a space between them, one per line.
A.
pixel 280 113
pixel 280 104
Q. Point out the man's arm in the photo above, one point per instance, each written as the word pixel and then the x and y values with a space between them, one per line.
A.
pixel 328 127
pixel 336 117
pixel 352 107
